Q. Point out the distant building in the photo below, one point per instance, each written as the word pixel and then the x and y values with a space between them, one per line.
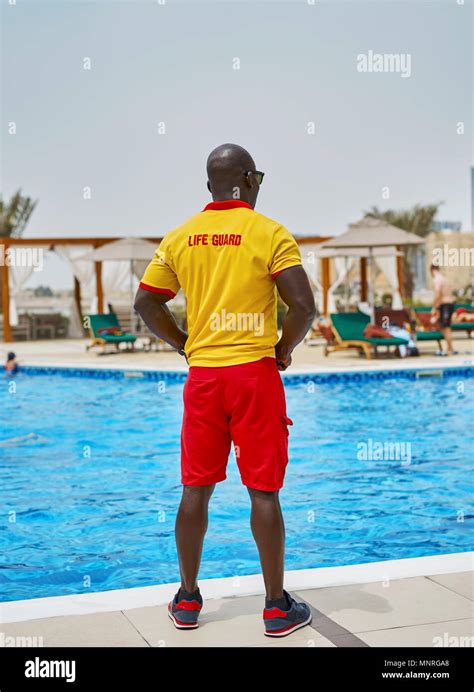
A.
pixel 447 226
pixel 441 235
pixel 419 268
pixel 454 253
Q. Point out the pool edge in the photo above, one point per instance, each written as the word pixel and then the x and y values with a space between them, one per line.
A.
pixel 299 375
pixel 226 587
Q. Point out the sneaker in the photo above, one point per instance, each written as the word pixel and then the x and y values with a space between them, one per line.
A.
pixel 281 623
pixel 184 609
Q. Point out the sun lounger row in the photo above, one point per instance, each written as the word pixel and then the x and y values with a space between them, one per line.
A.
pixel 347 330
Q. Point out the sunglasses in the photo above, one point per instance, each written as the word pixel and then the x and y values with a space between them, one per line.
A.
pixel 258 175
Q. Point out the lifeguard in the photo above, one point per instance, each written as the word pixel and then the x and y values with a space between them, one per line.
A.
pixel 231 261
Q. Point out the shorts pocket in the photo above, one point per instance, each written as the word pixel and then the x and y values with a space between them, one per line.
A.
pixel 286 422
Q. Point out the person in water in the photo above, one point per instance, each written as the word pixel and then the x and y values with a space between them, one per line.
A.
pixel 11 365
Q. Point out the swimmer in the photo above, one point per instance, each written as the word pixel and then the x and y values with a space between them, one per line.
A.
pixel 11 365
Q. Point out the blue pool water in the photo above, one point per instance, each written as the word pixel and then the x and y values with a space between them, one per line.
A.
pixel 89 471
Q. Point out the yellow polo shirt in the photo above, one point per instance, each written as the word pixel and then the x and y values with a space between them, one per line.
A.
pixel 225 259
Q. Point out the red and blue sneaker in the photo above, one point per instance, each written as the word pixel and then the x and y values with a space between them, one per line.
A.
pixel 184 609
pixel 285 616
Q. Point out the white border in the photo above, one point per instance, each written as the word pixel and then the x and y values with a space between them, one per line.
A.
pixel 124 599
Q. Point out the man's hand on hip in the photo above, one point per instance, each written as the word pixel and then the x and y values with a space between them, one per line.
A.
pixel 283 356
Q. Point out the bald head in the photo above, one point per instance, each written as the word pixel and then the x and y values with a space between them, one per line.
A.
pixel 228 167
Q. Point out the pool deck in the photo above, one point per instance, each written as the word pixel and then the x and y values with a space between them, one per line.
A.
pixel 416 602
pixel 72 352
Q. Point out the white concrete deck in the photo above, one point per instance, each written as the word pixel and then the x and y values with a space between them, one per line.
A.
pixel 407 603
pixel 72 352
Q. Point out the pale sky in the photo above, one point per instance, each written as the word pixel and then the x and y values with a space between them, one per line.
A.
pixel 173 63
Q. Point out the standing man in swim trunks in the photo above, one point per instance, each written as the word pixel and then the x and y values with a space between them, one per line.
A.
pixel 443 303
pixel 230 262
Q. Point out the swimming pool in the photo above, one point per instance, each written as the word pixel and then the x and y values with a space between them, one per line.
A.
pixel 89 471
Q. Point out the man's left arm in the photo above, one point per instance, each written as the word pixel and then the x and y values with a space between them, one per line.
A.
pixel 294 288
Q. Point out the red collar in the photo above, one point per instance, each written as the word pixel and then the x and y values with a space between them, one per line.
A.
pixel 226 204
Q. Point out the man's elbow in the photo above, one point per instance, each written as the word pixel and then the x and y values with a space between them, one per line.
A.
pixel 304 312
pixel 311 315
pixel 141 300
pixel 307 309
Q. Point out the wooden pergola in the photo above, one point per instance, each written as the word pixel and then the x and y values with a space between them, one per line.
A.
pixel 49 243
pixel 96 242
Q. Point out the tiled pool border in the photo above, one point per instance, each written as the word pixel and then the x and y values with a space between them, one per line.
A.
pixel 299 378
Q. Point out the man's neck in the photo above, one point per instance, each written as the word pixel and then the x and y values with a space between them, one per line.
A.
pixel 231 198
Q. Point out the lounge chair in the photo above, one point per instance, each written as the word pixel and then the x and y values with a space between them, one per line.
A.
pixel 348 328
pixel 425 330
pixel 101 329
pixel 467 327
pixel 463 327
pixel 385 316
pixel 319 329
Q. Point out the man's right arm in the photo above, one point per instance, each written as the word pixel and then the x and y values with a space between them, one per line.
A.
pixel 157 317
pixel 295 290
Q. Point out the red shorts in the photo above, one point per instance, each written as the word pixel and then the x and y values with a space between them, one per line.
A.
pixel 244 404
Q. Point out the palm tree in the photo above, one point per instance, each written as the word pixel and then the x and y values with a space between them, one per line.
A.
pixel 15 214
pixel 419 219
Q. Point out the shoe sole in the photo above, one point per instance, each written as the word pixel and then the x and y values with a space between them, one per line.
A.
pixel 290 631
pixel 179 626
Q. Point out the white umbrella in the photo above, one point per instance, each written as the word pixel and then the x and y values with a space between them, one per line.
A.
pixel 359 252
pixel 371 234
pixel 130 248
pixel 124 249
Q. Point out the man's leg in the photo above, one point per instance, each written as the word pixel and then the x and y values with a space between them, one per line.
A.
pixel 191 527
pixel 268 529
pixel 448 335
